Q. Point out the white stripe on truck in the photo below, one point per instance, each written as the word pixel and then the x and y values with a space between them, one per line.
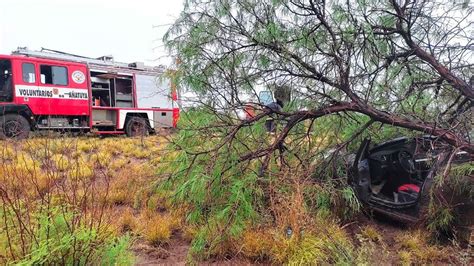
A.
pixel 27 91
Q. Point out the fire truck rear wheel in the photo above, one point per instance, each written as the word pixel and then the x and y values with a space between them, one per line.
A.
pixel 136 126
pixel 14 126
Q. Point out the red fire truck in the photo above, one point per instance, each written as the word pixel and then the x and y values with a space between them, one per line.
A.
pixel 51 90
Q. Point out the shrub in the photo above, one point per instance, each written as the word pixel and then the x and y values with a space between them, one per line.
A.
pixel 52 241
pixel 415 248
pixel 127 221
pixel 256 244
pixel 61 162
pixel 50 213
pixel 116 252
pixel 325 243
pixel 452 201
pixel 370 233
pixel 158 228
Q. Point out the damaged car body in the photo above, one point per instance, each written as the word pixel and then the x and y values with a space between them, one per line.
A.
pixel 394 178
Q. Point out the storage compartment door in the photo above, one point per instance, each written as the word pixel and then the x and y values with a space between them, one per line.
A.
pixel 162 119
pixel 153 92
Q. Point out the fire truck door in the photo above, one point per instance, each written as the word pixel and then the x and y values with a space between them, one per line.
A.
pixel 54 88
pixel 6 81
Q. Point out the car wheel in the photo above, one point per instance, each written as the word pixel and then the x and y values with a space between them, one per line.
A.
pixel 13 126
pixel 136 126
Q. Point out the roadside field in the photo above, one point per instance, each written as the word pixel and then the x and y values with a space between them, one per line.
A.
pixel 95 201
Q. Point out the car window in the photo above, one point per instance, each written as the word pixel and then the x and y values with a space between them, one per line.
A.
pixel 54 75
pixel 29 74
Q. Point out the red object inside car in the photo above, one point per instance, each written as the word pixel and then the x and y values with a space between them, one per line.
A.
pixel 409 188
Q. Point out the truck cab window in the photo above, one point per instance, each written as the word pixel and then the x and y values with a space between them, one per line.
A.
pixel 54 75
pixel 6 93
pixel 29 74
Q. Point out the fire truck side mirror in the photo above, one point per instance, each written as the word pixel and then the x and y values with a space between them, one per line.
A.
pixel 43 78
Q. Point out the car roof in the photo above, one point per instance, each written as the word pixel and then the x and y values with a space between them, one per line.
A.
pixel 389 143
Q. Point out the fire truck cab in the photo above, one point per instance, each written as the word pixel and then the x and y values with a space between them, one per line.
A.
pixel 50 90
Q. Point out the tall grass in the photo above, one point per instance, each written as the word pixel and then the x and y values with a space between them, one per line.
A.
pixel 54 204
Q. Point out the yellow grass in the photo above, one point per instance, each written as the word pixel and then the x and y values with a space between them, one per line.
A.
pixel 125 167
pixel 416 249
pixel 157 228
pixel 369 232
pixel 256 244
pixel 126 222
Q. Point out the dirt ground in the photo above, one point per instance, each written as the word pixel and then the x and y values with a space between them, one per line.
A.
pixel 175 253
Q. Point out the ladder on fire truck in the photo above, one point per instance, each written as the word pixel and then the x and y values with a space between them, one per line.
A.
pixel 106 60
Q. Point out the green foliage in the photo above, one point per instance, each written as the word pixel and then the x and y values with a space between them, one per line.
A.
pixel 351 203
pixel 441 219
pixel 329 246
pixel 237 46
pixel 225 197
pixel 451 196
pixel 56 243
pixel 116 252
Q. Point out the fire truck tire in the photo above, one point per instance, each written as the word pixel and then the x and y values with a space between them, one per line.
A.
pixel 136 126
pixel 14 126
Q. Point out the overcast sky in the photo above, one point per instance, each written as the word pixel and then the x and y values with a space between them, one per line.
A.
pixel 122 28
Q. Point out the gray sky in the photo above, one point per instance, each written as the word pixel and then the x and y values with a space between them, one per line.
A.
pixel 122 28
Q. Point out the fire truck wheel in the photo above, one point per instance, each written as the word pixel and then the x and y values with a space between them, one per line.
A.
pixel 14 126
pixel 136 126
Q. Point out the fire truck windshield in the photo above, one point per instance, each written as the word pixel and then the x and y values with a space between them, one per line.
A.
pixel 5 80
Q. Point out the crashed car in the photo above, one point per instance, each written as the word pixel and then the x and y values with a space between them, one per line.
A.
pixel 394 177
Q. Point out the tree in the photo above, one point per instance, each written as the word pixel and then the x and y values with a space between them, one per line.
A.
pixel 401 63
pixel 354 67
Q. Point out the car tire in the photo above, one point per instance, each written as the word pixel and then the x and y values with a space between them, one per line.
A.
pixel 136 127
pixel 13 126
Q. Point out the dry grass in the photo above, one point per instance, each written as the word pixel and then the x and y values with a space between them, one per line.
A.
pixel 189 232
pixel 63 169
pixel 127 222
pixel 326 243
pixel 416 249
pixel 257 244
pixel 297 236
pixel 158 228
pixel 371 233
pixel 136 208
